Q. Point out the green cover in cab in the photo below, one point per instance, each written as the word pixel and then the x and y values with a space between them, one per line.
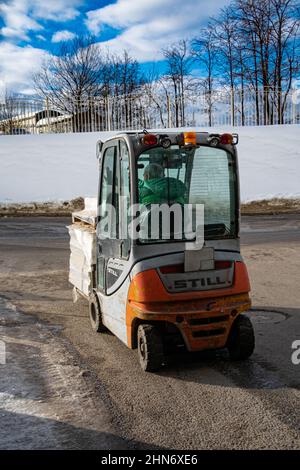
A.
pixel 161 190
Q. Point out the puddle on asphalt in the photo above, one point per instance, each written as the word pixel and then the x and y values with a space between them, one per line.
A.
pixel 267 316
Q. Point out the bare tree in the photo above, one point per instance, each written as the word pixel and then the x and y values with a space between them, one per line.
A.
pixel 285 28
pixel 123 77
pixel 255 21
pixel 9 110
pixel 156 92
pixel 241 74
pixel 225 39
pixel 178 68
pixel 122 82
pixel 72 77
pixel 269 31
pixel 205 53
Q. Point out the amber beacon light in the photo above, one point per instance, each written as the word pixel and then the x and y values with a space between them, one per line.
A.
pixel 189 138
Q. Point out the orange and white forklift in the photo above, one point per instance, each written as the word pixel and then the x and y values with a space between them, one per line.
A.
pixel 156 290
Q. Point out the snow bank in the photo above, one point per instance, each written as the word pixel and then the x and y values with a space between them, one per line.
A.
pixel 50 167
pixel 269 160
pixel 63 166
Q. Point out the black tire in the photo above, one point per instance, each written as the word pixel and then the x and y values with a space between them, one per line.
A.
pixel 95 314
pixel 150 348
pixel 241 341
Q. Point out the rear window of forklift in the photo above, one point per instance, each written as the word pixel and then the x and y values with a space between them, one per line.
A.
pixel 198 175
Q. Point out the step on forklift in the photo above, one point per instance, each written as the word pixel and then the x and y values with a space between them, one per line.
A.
pixel 158 291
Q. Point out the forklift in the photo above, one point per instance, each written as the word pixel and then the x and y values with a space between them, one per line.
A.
pixel 166 291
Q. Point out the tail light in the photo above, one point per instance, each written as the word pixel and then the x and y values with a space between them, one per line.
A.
pixel 222 264
pixel 175 268
pixel 226 139
pixel 149 139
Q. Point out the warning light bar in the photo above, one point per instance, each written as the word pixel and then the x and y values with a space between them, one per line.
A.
pixel 188 139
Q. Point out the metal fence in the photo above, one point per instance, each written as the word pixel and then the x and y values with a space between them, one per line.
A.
pixel 220 108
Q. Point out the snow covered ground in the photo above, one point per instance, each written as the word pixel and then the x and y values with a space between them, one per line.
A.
pixel 54 167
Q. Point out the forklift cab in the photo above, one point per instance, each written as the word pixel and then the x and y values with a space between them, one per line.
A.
pixel 165 278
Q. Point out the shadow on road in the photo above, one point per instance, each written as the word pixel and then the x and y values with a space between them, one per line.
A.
pixel 254 373
pixel 22 431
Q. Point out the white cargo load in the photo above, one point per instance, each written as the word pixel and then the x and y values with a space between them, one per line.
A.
pixel 83 247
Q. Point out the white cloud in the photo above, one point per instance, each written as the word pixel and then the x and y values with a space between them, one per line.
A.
pixel 57 10
pixel 17 64
pixel 151 25
pixel 17 21
pixel 11 33
pixel 64 35
pixel 40 37
pixel 125 13
pixel 21 16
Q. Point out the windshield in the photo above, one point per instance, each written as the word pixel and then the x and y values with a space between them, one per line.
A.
pixel 199 175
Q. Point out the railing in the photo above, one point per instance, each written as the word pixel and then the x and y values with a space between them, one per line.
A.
pixel 220 108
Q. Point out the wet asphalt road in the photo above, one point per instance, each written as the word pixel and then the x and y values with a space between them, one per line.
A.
pixel 198 400
pixel 254 229
pixel 283 228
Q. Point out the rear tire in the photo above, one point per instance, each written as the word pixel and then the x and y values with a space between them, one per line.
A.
pixel 95 314
pixel 150 348
pixel 241 341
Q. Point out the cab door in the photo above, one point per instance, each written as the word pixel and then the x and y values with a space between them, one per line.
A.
pixel 105 205
pixel 113 243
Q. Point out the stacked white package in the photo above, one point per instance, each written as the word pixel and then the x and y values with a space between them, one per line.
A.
pixel 83 252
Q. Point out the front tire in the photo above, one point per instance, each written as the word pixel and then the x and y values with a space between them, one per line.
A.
pixel 241 341
pixel 150 348
pixel 95 314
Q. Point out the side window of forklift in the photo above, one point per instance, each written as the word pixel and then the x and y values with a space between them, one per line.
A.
pixel 125 195
pixel 107 225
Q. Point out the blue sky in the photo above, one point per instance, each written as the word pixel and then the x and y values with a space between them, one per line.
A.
pixel 30 30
